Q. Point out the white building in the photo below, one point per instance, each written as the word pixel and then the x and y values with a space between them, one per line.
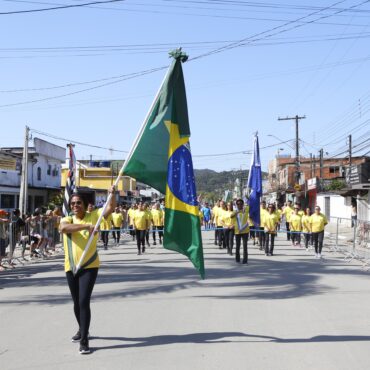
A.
pixel 44 174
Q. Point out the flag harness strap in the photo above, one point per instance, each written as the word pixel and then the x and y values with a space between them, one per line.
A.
pixel 70 255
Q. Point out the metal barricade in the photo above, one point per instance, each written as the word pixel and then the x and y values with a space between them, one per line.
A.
pixel 350 238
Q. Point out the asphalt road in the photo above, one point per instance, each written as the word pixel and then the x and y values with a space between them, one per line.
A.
pixel 289 311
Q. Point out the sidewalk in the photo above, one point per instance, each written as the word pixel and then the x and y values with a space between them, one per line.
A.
pixel 289 311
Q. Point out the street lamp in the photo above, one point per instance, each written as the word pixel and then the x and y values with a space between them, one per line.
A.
pixel 278 152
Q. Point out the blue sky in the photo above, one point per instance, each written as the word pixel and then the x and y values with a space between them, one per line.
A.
pixel 313 67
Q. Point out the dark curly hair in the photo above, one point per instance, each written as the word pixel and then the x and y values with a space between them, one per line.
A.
pixel 81 196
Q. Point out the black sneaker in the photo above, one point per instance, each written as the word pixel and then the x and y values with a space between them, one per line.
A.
pixel 84 347
pixel 76 337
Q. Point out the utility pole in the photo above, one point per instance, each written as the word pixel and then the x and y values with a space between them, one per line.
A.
pixel 321 163
pixel 23 194
pixel 350 155
pixel 311 165
pixel 314 165
pixel 297 161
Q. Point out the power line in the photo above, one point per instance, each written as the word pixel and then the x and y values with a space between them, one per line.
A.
pixel 60 7
pixel 75 142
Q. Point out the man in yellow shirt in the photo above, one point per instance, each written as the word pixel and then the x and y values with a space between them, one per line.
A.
pixel 271 220
pixel 117 220
pixel 306 228
pixel 287 211
pixel 141 225
pixel 318 222
pixel 105 227
pixel 295 226
pixel 214 216
pixel 130 220
pixel 262 236
pixel 158 222
pixel 241 229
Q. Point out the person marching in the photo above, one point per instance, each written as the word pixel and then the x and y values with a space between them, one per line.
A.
pixel 215 210
pixel 318 222
pixel 296 226
pixel 263 213
pixel 141 225
pixel 287 211
pixel 228 226
pixel 271 220
pixel 117 221
pixel 76 230
pixel 241 227
pixel 306 228
pixel 130 216
pixel 105 227
pixel 158 222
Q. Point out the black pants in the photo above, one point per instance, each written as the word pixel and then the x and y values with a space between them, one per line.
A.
pixel 147 237
pixel 219 233
pixel 105 237
pixel 269 243
pixel 160 233
pixel 287 231
pixel 229 240
pixel 81 287
pixel 117 234
pixel 296 238
pixel 140 240
pixel 132 231
pixel 238 239
pixel 307 239
pixel 261 237
pixel 318 240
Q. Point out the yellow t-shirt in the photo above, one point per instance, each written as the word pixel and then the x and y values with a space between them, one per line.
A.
pixel 140 220
pixel 318 222
pixel 306 224
pixel 295 222
pixel 243 217
pixel 106 223
pixel 131 215
pixel 157 216
pixel 263 213
pixel 117 219
pixel 287 212
pixel 226 219
pixel 220 213
pixel 270 222
pixel 214 214
pixel 79 240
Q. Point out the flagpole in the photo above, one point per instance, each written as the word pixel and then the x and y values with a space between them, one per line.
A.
pixel 120 174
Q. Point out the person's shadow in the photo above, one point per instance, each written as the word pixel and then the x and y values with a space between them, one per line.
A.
pixel 220 337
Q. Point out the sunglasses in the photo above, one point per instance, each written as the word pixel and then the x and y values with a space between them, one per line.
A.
pixel 76 203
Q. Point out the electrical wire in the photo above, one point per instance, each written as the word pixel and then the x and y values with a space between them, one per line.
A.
pixel 59 7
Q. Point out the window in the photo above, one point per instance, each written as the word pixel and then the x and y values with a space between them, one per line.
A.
pixel 38 173
pixel 7 201
pixel 49 169
pixel 334 169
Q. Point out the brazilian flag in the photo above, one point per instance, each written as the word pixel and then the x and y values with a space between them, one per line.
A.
pixel 161 158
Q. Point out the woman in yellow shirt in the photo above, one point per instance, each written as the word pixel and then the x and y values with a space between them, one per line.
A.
pixel 318 222
pixel 76 232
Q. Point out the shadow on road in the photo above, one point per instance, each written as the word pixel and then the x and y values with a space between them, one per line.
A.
pixel 221 337
pixel 266 278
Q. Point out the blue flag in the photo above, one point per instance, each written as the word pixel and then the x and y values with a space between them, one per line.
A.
pixel 255 183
